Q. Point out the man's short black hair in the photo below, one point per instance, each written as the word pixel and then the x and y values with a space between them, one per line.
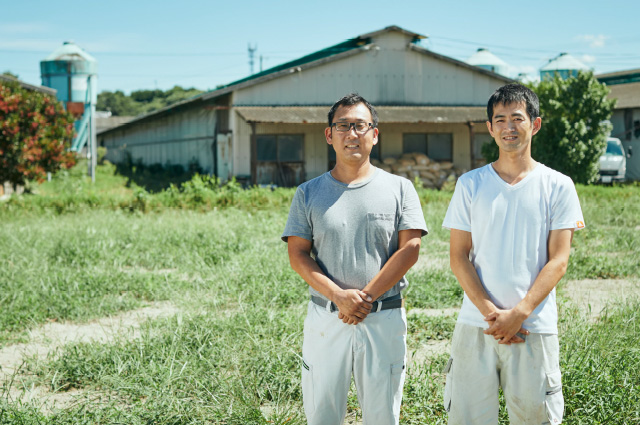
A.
pixel 514 93
pixel 350 100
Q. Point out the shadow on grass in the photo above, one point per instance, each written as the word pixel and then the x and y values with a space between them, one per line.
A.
pixel 156 177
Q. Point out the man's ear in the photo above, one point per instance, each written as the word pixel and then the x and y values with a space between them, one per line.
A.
pixel 327 134
pixel 537 123
pixel 490 128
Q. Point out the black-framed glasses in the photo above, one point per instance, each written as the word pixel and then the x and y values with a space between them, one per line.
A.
pixel 359 127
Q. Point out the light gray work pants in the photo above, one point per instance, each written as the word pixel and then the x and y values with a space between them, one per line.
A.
pixel 529 374
pixel 373 351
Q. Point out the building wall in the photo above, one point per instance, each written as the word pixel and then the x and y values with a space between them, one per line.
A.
pixel 179 138
pixel 628 139
pixel 392 74
pixel 316 148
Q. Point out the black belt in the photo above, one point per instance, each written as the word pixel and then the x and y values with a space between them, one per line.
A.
pixel 395 301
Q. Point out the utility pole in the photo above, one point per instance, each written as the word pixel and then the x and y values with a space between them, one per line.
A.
pixel 252 52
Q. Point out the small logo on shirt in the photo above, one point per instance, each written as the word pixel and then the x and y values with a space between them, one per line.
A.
pixel 579 224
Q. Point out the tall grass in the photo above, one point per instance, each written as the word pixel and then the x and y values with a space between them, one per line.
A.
pixel 74 251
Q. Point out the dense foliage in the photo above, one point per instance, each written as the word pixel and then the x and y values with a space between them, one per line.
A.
pixel 575 114
pixel 142 101
pixel 35 134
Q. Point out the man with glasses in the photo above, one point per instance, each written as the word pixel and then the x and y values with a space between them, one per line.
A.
pixel 352 235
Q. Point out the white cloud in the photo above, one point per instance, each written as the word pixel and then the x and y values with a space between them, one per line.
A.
pixel 595 41
pixel 21 28
pixel 29 45
pixel 588 59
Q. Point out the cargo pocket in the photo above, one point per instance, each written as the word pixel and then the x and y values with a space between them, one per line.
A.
pixel 554 402
pixel 307 388
pixel 448 386
pixel 395 389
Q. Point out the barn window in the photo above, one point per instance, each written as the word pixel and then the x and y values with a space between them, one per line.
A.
pixel 280 148
pixel 437 146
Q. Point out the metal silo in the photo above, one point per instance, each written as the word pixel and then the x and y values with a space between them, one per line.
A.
pixel 74 74
pixel 563 65
pixel 483 58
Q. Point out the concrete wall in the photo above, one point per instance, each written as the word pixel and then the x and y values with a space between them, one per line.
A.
pixel 316 147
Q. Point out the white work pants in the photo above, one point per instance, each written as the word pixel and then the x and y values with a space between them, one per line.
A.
pixel 529 374
pixel 373 351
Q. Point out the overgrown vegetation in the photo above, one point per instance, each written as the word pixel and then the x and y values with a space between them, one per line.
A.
pixel 76 251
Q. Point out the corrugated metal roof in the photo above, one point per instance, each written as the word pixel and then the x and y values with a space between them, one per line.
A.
pixel 628 95
pixel 42 89
pixel 339 51
pixel 70 51
pixel 564 61
pixel 350 44
pixel 620 77
pixel 386 114
pixel 485 57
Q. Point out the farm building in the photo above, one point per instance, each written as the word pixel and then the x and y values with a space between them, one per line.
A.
pixel 268 127
pixel 625 87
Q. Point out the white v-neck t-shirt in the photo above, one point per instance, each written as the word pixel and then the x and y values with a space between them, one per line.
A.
pixel 509 226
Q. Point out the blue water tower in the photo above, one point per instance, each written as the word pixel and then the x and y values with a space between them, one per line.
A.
pixel 74 74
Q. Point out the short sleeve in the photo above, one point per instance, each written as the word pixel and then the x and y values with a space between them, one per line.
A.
pixel 566 212
pixel 298 222
pixel 458 214
pixel 412 217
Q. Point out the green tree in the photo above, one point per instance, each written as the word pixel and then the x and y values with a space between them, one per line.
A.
pixel 10 74
pixel 118 104
pixel 142 101
pixel 35 135
pixel 575 114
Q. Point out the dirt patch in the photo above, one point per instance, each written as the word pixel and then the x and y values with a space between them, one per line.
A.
pixel 433 312
pixel 593 295
pixel 428 351
pixel 46 339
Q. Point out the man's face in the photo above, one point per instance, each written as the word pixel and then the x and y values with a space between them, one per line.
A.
pixel 352 146
pixel 511 127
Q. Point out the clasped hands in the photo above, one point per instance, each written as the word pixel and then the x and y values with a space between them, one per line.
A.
pixel 353 305
pixel 504 325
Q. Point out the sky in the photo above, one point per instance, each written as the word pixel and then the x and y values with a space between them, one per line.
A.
pixel 143 44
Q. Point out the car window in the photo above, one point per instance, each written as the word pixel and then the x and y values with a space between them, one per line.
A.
pixel 613 148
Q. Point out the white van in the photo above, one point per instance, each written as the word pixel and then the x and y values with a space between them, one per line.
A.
pixel 613 164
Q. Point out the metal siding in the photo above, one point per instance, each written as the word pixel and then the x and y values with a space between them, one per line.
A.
pixel 163 140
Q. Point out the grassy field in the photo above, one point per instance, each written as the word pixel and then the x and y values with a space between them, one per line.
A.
pixel 74 252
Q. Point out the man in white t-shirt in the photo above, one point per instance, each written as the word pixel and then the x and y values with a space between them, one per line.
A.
pixel 511 225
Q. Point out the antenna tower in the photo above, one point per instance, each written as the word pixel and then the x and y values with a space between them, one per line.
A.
pixel 252 52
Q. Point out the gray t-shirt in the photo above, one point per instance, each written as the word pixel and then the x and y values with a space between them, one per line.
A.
pixel 354 228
